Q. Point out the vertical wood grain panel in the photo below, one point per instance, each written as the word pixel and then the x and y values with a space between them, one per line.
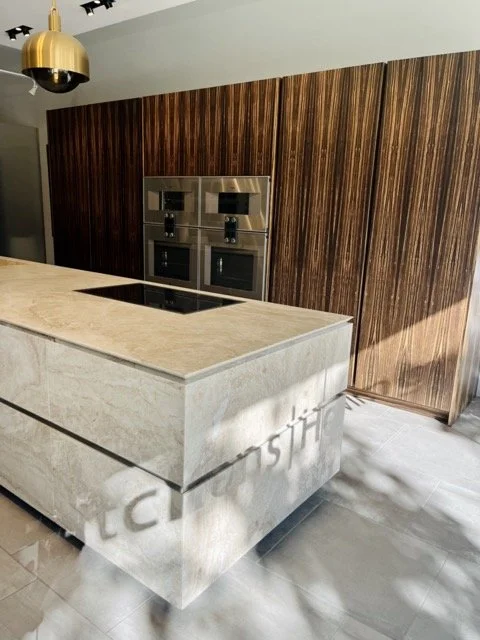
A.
pixel 69 186
pixel 250 130
pixel 183 133
pixel 328 134
pixel 228 130
pixel 115 163
pixel 425 224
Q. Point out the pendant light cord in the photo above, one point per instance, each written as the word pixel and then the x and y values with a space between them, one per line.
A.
pixel 33 90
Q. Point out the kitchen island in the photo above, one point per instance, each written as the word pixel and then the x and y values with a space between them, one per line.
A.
pixel 171 443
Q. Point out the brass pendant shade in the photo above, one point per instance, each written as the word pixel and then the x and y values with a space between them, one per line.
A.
pixel 57 61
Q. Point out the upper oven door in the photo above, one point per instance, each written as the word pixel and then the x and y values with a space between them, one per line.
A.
pixel 172 260
pixel 174 198
pixel 246 199
pixel 233 269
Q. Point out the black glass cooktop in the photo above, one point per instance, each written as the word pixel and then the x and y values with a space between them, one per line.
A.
pixel 161 297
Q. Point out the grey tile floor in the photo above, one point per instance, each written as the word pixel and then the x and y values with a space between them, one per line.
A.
pixel 389 549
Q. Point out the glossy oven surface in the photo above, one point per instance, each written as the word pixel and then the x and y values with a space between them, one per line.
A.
pixel 246 198
pixel 171 257
pixel 233 267
pixel 174 199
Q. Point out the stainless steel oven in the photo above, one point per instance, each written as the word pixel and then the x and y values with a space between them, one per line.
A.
pixel 171 201
pixel 245 198
pixel 233 268
pixel 172 257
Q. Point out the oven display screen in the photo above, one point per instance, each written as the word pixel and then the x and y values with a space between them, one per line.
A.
pixel 234 203
pixel 173 201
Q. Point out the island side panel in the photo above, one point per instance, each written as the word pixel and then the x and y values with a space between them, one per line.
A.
pixel 133 413
pixel 241 407
pixel 225 516
pixel 23 370
pixel 26 467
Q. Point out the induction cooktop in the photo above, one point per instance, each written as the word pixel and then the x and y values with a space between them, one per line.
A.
pixel 158 297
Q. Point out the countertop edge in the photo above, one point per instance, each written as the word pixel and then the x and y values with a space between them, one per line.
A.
pixel 176 376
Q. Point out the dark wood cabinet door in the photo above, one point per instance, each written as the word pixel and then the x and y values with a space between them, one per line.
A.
pixel 251 112
pixel 228 130
pixel 183 132
pixel 69 186
pixel 424 232
pixel 115 166
pixel 326 159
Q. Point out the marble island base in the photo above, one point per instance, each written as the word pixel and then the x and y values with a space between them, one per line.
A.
pixel 175 543
pixel 171 478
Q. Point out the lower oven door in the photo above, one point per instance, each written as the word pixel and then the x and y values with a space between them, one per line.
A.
pixel 170 260
pixel 233 269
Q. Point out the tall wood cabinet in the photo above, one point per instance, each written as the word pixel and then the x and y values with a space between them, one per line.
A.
pixel 229 130
pixel 414 344
pixel 326 158
pixel 375 209
pixel 69 175
pixel 95 170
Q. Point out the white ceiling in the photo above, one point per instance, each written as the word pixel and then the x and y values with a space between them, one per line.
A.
pixel 34 13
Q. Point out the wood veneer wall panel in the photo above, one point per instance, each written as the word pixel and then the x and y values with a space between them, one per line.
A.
pixel 115 162
pixel 328 135
pixel 425 225
pixel 69 186
pixel 251 111
pixel 183 133
pixel 229 130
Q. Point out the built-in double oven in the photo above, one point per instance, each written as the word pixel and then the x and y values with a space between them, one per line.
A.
pixel 208 233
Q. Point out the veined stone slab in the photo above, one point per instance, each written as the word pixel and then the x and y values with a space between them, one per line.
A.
pixel 178 543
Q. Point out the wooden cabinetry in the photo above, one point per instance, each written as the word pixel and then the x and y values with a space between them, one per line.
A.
pixel 95 165
pixel 425 223
pixel 69 186
pixel 116 173
pixel 326 156
pixel 228 130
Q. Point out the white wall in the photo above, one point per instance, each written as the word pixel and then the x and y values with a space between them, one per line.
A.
pixel 212 42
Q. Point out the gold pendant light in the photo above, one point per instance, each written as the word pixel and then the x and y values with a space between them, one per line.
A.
pixel 56 61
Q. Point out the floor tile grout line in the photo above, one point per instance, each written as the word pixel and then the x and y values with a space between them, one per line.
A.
pixel 151 597
pixel 334 608
pixel 71 606
pixel 403 532
pixel 407 630
pixel 20 589
pixel 390 438
pixel 309 512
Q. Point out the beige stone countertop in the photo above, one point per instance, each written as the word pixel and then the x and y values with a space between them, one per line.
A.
pixel 43 298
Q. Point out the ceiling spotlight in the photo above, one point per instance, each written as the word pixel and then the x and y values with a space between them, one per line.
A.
pixel 16 31
pixel 88 8
pixel 108 4
pixel 57 61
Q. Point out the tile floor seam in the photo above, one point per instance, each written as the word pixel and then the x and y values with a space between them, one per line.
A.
pixel 2 599
pixel 151 597
pixel 346 611
pixel 402 531
pixel 385 526
pixel 389 439
pixel 71 606
pixel 310 511
pixel 429 590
